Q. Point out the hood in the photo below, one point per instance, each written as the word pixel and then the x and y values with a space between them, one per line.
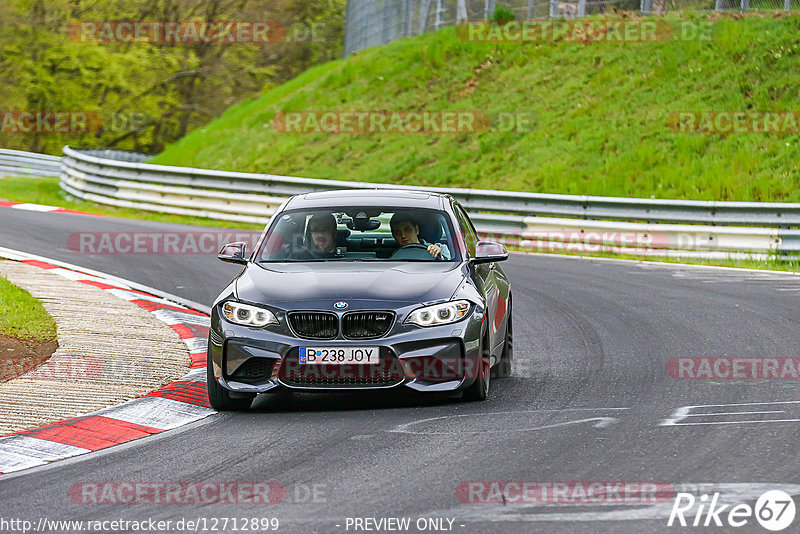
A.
pixel 286 285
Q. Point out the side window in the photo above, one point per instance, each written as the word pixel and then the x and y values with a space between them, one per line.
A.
pixel 466 228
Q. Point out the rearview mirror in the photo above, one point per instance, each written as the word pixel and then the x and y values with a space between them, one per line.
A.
pixel 363 223
pixel 489 252
pixel 233 252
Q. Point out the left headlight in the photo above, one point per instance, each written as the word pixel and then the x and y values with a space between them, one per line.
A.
pixel 248 315
pixel 438 314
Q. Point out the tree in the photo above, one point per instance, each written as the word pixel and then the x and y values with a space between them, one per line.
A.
pixel 148 94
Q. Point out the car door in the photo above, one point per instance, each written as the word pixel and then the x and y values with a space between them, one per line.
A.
pixel 486 280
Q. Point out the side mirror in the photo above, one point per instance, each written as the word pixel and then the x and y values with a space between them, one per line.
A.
pixel 233 253
pixel 489 252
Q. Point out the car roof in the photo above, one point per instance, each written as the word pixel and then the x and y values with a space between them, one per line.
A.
pixel 368 197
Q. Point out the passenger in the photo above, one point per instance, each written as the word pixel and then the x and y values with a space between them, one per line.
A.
pixel 405 230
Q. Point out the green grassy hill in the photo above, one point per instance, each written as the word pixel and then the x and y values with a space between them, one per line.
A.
pixel 602 116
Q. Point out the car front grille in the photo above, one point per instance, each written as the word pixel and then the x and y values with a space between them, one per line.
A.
pixel 366 325
pixel 314 325
pixel 354 325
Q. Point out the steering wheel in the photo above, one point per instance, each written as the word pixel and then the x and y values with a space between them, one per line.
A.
pixel 412 251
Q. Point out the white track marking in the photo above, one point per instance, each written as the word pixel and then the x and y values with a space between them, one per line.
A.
pixel 38 448
pixel 684 412
pixel 157 412
pixel 197 344
pixel 132 295
pixel 34 207
pixel 10 462
pixel 599 422
pixel 172 317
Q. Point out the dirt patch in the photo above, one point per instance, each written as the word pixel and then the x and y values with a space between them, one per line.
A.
pixel 471 84
pixel 18 357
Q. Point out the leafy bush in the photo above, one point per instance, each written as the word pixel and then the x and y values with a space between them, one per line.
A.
pixel 502 14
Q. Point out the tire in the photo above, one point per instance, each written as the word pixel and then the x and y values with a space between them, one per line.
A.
pixel 505 366
pixel 219 397
pixel 479 390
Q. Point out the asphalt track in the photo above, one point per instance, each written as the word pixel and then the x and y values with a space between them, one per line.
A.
pixel 586 403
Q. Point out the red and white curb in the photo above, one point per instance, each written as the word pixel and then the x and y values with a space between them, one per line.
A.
pixel 178 403
pixel 42 208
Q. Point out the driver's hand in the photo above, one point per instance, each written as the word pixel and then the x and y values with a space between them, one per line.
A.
pixel 435 250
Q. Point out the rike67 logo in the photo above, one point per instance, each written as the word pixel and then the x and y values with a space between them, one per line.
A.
pixel 774 510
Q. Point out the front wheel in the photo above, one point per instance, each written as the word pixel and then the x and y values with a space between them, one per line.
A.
pixel 219 397
pixel 479 390
pixel 504 367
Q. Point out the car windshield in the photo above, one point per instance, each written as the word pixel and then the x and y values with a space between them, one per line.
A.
pixel 359 233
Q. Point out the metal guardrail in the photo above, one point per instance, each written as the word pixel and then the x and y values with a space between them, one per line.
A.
pixel 523 220
pixel 108 176
pixel 526 221
pixel 19 163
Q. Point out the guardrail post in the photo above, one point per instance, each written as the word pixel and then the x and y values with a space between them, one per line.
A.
pixel 789 244
pixel 787 5
pixel 461 12
pixel 744 5
pixel 488 9
pixel 581 8
pixel 423 16
pixel 646 7
pixel 531 9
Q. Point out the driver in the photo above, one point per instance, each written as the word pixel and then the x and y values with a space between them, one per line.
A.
pixel 405 230
pixel 321 237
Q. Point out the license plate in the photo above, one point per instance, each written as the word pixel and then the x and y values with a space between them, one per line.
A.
pixel 351 355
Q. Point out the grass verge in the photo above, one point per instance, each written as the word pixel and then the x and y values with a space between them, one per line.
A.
pixel 602 115
pixel 23 317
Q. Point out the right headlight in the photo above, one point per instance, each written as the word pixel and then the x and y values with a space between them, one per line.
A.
pixel 248 315
pixel 439 314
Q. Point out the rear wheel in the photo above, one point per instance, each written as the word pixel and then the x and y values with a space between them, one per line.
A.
pixel 479 390
pixel 219 397
pixel 504 367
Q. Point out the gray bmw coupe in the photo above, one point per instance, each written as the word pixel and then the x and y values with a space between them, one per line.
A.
pixel 365 289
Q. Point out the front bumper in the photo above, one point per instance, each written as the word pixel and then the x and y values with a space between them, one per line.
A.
pixel 258 360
